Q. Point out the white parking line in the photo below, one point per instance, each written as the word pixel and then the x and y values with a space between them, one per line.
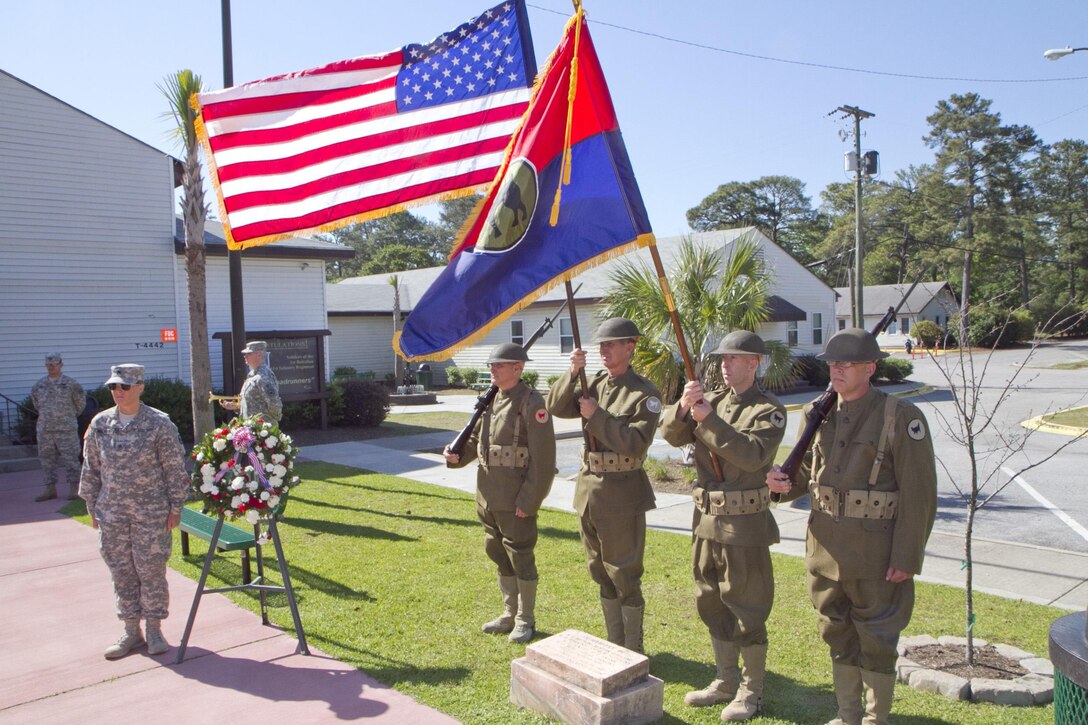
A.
pixel 1066 518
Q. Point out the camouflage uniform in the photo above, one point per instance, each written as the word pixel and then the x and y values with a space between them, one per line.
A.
pixel 261 395
pixel 133 478
pixel 612 499
pixel 58 402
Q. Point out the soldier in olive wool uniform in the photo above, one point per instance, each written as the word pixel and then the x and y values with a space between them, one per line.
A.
pixel 260 394
pixel 515 443
pixel 613 493
pixel 872 481
pixel 134 483
pixel 59 400
pixel 742 426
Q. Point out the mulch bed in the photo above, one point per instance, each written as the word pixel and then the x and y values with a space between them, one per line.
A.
pixel 953 660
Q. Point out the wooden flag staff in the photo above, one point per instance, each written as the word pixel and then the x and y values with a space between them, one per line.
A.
pixel 591 443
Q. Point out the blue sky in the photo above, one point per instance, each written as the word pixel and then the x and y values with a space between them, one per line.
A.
pixel 693 117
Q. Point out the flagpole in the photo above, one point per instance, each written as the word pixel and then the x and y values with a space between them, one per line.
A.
pixel 689 368
pixel 235 363
pixel 591 443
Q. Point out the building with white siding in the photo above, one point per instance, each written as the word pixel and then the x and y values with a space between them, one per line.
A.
pixel 360 310
pixel 933 301
pixel 92 261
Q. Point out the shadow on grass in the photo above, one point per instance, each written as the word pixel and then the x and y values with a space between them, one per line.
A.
pixel 341 529
pixel 672 669
pixel 357 472
pixel 406 515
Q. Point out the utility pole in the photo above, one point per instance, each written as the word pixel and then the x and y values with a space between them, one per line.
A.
pixel 859 251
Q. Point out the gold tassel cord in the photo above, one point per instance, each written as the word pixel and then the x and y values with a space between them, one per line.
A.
pixel 565 164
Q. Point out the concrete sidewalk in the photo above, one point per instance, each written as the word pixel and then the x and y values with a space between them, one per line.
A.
pixel 57 601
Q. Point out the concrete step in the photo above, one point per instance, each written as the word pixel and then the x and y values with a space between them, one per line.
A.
pixel 10 451
pixel 14 465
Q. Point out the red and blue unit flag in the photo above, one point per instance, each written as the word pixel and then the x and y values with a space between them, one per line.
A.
pixel 357 139
pixel 516 248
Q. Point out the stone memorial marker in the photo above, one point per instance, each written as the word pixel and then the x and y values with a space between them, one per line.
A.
pixel 578 678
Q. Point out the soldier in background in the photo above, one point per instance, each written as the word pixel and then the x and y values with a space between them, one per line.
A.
pixel 733 528
pixel 134 483
pixel 59 400
pixel 872 482
pixel 260 394
pixel 515 443
pixel 613 493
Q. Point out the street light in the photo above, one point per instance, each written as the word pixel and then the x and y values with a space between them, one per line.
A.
pixel 1056 53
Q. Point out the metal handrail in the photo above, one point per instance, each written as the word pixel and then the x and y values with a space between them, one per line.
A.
pixel 13 412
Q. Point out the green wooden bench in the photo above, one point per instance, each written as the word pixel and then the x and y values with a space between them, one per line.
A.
pixel 231 538
pixel 480 386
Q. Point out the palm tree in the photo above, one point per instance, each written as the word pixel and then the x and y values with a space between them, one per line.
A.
pixel 178 89
pixel 715 292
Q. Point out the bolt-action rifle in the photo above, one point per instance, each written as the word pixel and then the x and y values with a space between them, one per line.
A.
pixel 485 398
pixel 822 406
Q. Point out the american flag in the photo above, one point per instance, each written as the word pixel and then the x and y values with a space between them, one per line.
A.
pixel 358 139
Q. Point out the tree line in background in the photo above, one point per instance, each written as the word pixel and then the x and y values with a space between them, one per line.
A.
pixel 1000 215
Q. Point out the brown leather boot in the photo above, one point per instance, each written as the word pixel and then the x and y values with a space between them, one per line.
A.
pixel 847 679
pixel 749 699
pixel 724 686
pixel 525 621
pixel 613 620
pixel 879 693
pixel 504 623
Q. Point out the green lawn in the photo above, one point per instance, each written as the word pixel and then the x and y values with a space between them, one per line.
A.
pixel 1077 365
pixel 391 577
pixel 1077 417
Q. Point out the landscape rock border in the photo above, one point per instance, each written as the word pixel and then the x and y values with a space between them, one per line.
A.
pixel 1034 688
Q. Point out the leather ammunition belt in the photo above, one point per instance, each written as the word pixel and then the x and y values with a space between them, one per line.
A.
pixel 854 504
pixel 608 462
pixel 731 503
pixel 508 456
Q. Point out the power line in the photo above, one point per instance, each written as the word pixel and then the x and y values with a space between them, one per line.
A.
pixel 823 66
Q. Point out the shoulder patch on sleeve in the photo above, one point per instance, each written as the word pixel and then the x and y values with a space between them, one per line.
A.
pixel 541 415
pixel 778 419
pixel 916 429
pixel 653 405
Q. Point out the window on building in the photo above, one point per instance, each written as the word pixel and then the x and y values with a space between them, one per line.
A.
pixel 842 324
pixel 817 328
pixel 566 335
pixel 517 332
pixel 906 325
pixel 791 333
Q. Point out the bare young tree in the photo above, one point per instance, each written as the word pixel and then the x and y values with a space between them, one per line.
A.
pixel 995 454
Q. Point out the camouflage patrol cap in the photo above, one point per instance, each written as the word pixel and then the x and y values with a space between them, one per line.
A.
pixel 616 328
pixel 52 358
pixel 126 374
pixel 508 352
pixel 852 345
pixel 255 346
pixel 741 342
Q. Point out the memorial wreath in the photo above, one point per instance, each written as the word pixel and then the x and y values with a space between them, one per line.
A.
pixel 243 469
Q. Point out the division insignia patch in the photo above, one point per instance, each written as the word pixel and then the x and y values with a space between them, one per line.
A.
pixel 653 405
pixel 778 420
pixel 916 429
pixel 541 415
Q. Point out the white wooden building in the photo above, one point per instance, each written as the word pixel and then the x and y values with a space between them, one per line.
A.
pixel 933 301
pixel 360 311
pixel 92 264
